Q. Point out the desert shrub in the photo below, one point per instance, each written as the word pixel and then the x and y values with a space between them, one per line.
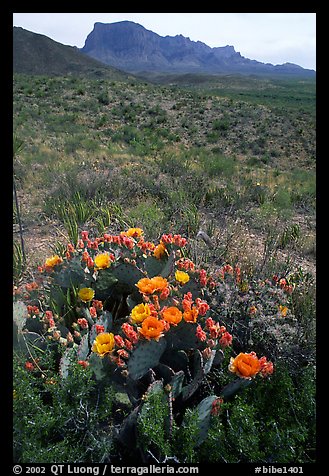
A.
pixel 103 98
pixel 150 213
pixel 271 424
pixel 56 420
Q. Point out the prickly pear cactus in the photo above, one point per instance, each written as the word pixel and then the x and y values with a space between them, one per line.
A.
pixel 175 359
pixel 198 374
pixel 19 315
pixel 168 268
pixel 233 387
pixel 145 356
pixel 154 266
pixel 176 383
pixel 66 361
pixel 208 364
pixel 128 274
pixel 105 284
pixel 28 343
pixel 164 372
pixel 127 434
pixel 183 337
pixel 86 314
pixel 71 274
pixel 98 366
pixel 106 320
pixel 204 414
pixel 84 348
pixel 193 286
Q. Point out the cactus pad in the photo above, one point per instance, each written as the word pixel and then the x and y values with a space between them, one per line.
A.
pixel 66 361
pixel 70 274
pixel 19 315
pixel 145 356
pixel 233 387
pixel 198 374
pixel 204 414
pixel 183 337
pixel 83 349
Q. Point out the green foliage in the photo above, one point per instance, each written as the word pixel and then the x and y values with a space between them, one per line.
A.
pixel 237 436
pixel 58 248
pixel 273 422
pixel 289 235
pixel 185 437
pixel 103 98
pixel 60 421
pixel 150 213
pixel 152 425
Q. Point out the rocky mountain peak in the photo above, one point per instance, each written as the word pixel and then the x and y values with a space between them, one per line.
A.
pixel 130 47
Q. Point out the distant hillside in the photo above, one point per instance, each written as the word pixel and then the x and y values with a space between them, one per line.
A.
pixel 131 47
pixel 37 54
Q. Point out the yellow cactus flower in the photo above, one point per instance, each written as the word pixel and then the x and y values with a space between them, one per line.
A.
pixel 103 344
pixel 53 261
pixel 133 232
pixel 140 312
pixel 102 261
pixel 182 277
pixel 86 294
pixel 283 310
pixel 159 251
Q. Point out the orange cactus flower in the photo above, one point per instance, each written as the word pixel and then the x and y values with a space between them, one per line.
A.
pixel 191 315
pixel 140 312
pixel 102 261
pixel 145 286
pixel 245 365
pixel 149 286
pixel 172 315
pixel 159 283
pixel 152 328
pixel 103 344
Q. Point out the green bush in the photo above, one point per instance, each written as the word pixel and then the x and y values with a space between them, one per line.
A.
pixel 59 421
pixel 269 423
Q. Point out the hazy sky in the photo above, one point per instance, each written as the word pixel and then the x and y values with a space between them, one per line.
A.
pixel 268 37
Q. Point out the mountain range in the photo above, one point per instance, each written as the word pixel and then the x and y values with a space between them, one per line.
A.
pixel 130 47
pixel 117 50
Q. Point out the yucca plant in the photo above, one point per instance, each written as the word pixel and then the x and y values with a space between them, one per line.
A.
pixel 19 252
pixel 19 263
